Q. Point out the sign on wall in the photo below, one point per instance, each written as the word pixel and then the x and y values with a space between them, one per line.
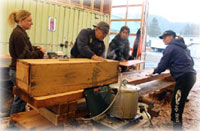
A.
pixel 52 24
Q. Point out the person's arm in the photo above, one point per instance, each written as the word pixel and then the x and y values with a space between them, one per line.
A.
pixel 164 62
pixel 127 49
pixel 23 51
pixel 104 51
pixel 82 44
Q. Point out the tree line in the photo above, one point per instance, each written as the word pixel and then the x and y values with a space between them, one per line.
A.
pixel 154 29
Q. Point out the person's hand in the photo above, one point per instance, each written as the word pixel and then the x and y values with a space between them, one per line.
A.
pixel 39 47
pixel 43 50
pixel 95 57
pixel 151 74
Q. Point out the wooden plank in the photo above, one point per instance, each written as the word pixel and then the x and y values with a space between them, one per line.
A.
pixel 31 120
pixel 101 7
pixel 152 86
pixel 50 100
pixel 59 119
pixel 131 63
pixel 56 119
pixel 64 108
pixel 138 125
pixel 59 109
pixel 139 77
pixel 52 76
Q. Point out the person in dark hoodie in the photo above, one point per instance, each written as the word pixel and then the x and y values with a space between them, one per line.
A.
pixel 176 57
pixel 90 44
pixel 119 46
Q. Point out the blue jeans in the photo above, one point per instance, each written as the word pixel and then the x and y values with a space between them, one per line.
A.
pixel 18 104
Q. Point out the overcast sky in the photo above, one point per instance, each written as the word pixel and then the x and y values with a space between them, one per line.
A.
pixel 176 10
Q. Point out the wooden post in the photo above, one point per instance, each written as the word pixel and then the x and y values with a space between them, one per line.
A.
pixel 92 5
pixel 101 7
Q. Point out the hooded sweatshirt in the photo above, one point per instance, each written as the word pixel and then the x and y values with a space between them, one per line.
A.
pixel 176 58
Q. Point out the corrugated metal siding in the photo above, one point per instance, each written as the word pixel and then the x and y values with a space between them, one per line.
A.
pixel 69 22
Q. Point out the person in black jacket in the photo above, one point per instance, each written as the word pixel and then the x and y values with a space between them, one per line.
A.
pixel 20 47
pixel 90 44
pixel 176 58
pixel 119 46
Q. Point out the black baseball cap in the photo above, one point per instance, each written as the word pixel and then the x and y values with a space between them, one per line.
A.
pixel 168 33
pixel 103 26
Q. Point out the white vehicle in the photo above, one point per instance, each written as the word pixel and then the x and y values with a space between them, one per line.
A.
pixel 156 44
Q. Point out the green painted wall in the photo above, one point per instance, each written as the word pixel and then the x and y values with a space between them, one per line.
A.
pixel 69 22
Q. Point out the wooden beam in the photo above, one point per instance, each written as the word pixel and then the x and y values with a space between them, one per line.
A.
pixel 92 4
pixel 114 33
pixel 102 5
pixel 139 77
pixel 130 63
pixel 119 6
pixel 125 20
pixel 148 87
pixel 50 100
pixel 81 3
pixel 56 119
pixel 54 76
pixel 31 120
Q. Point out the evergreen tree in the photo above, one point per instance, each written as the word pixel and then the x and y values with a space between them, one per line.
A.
pixel 154 29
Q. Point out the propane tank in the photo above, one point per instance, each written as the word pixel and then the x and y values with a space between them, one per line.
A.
pixel 126 103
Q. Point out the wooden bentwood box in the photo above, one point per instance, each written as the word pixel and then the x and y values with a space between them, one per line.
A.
pixel 41 77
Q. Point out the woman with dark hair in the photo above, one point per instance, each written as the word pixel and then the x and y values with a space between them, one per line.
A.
pixel 119 46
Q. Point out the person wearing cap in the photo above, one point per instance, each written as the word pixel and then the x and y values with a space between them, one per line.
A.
pixel 176 57
pixel 90 44
pixel 119 46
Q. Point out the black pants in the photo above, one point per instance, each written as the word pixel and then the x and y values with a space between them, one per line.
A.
pixel 181 91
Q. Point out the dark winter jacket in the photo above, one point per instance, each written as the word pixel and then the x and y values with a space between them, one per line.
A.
pixel 118 49
pixel 20 47
pixel 87 45
pixel 176 57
